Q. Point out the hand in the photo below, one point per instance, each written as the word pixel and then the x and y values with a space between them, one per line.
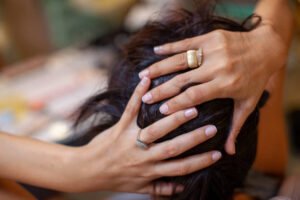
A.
pixel 113 161
pixel 236 65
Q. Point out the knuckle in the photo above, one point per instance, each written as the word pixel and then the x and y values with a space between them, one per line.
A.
pixel 182 79
pixel 220 36
pixel 154 69
pixel 183 170
pixel 170 47
pixel 191 94
pixel 182 62
pixel 186 43
pixel 157 92
pixel 227 62
pixel 170 151
pixel 149 173
pixel 179 117
pixel 150 133
pixel 248 107
pixel 131 109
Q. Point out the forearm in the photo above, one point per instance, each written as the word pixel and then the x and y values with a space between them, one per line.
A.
pixel 35 162
pixel 279 14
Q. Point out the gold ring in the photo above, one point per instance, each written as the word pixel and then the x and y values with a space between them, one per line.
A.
pixel 191 56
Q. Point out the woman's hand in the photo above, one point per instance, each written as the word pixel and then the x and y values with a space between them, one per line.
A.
pixel 236 65
pixel 113 161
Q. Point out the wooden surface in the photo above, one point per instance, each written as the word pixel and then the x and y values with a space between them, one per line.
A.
pixel 12 191
pixel 272 154
pixel 27 27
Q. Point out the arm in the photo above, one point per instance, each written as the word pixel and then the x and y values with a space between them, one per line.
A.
pixel 282 23
pixel 34 162
pixel 112 160
pixel 272 113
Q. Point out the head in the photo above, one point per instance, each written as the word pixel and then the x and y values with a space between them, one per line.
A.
pixel 217 181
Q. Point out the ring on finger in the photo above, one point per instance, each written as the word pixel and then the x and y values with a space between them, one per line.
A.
pixel 140 143
pixel 194 58
pixel 200 56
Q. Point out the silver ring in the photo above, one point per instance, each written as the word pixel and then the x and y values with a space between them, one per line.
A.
pixel 140 143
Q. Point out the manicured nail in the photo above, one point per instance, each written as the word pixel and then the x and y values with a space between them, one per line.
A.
pixel 143 73
pixel 147 97
pixel 144 81
pixel 158 49
pixel 190 112
pixel 179 188
pixel 210 131
pixel 164 109
pixel 216 155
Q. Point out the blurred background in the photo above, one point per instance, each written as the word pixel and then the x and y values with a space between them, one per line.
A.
pixel 56 53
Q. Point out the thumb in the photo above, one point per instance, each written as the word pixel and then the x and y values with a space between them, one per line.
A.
pixel 240 114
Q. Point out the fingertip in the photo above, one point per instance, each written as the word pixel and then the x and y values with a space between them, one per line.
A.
pixel 145 81
pixel 144 73
pixel 191 113
pixel 179 188
pixel 158 49
pixel 164 109
pixel 216 155
pixel 210 131
pixel 230 147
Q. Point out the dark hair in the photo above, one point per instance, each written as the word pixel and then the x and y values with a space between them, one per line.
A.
pixel 105 109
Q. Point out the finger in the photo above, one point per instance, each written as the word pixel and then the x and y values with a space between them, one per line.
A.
pixel 162 189
pixel 181 46
pixel 134 103
pixel 192 96
pixel 166 125
pixel 182 143
pixel 175 85
pixel 188 165
pixel 166 66
pixel 240 114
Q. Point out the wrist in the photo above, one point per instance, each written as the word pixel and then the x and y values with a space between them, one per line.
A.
pixel 267 37
pixel 85 169
pixel 73 165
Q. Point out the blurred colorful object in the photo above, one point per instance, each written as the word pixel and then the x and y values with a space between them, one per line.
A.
pixel 104 7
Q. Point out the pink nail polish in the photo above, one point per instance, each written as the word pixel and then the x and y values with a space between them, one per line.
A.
pixel 190 112
pixel 210 131
pixel 216 155
pixel 143 73
pixel 158 49
pixel 164 109
pixel 180 188
pixel 147 98
pixel 144 81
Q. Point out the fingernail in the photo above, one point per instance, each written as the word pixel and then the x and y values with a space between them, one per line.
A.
pixel 210 131
pixel 179 188
pixel 143 73
pixel 158 49
pixel 147 97
pixel 144 81
pixel 216 155
pixel 190 112
pixel 164 109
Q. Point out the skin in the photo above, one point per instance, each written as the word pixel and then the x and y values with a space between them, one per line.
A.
pixel 236 65
pixel 112 160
